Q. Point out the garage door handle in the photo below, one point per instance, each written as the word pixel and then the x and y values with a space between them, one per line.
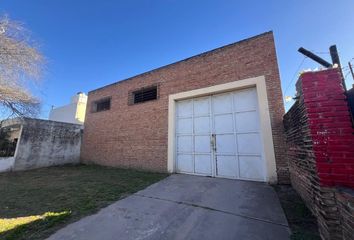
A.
pixel 213 142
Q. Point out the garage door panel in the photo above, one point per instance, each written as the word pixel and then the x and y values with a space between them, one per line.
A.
pixel 185 108
pixel 222 103
pixel 223 123
pixel 227 166
pixel 185 163
pixel 202 144
pixel 249 143
pixel 201 106
pixel 245 100
pixel 184 126
pixel 251 167
pixel 225 144
pixel 247 121
pixel 203 164
pixel 201 125
pixel 185 144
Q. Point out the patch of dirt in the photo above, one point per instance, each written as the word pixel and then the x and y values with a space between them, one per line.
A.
pixel 302 223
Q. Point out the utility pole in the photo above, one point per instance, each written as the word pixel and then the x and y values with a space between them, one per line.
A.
pixel 351 69
pixel 335 60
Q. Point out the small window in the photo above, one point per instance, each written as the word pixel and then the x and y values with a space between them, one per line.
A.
pixel 101 105
pixel 144 95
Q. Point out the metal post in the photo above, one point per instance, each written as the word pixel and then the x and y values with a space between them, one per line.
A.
pixel 351 70
pixel 314 57
pixel 335 59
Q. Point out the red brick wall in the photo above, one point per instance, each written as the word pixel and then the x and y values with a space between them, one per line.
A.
pixel 320 142
pixel 330 126
pixel 136 135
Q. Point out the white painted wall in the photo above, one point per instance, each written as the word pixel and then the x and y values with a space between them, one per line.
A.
pixel 6 163
pixel 71 113
pixel 43 143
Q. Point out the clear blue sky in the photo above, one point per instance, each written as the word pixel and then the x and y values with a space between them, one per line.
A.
pixel 91 43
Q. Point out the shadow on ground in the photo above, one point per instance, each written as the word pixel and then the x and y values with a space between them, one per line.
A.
pixel 301 221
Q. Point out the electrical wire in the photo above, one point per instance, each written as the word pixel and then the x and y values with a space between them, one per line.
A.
pixel 346 75
pixel 295 74
pixel 321 52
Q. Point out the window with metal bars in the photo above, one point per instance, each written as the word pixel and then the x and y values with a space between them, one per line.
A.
pixel 101 105
pixel 144 95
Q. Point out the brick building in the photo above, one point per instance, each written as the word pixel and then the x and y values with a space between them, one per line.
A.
pixel 218 114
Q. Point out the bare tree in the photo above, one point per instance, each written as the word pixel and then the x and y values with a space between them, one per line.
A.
pixel 20 65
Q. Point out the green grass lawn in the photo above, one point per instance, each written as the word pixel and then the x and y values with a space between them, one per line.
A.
pixel 36 203
pixel 302 223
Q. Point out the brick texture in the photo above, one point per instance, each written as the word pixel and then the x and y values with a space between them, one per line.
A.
pixel 345 201
pixel 135 136
pixel 330 126
pixel 320 142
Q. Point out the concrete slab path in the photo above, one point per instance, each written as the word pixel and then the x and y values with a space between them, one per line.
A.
pixel 188 207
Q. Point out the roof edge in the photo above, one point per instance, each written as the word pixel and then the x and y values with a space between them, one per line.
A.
pixel 185 59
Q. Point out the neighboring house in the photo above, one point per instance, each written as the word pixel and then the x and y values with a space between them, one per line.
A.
pixel 40 143
pixel 216 114
pixel 71 113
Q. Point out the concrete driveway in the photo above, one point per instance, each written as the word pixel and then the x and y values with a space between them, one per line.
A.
pixel 188 207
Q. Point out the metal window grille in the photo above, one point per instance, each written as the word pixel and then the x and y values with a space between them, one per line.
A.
pixel 144 95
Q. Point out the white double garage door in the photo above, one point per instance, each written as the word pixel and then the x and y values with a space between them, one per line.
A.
pixel 219 136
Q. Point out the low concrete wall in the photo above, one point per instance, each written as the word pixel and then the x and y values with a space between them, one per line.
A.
pixel 44 143
pixel 6 164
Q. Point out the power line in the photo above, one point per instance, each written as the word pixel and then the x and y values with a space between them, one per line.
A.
pixel 346 75
pixel 321 52
pixel 295 74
